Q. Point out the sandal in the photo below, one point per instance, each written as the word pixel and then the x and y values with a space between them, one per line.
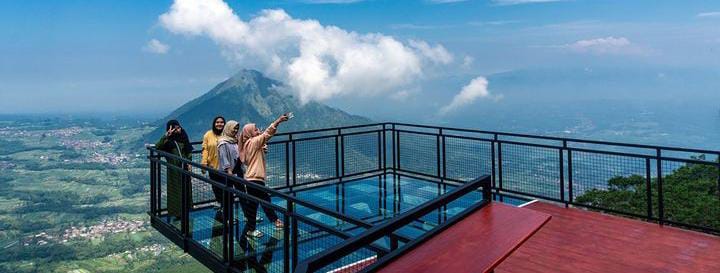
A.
pixel 279 224
pixel 255 234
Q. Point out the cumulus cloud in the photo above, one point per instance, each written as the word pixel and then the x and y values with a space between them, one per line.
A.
pixel 607 45
pixel 157 47
pixel 477 88
pixel 708 14
pixel 317 61
pixel 520 2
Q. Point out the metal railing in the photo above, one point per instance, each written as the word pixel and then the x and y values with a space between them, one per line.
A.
pixel 339 253
pixel 563 170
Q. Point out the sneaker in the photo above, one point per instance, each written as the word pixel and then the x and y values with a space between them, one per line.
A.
pixel 254 234
pixel 279 224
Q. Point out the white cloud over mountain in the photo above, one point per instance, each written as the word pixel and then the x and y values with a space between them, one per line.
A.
pixel 317 61
pixel 477 88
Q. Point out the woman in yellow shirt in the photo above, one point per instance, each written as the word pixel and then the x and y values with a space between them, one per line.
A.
pixel 210 152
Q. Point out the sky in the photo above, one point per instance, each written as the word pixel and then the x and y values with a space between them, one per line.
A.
pixel 444 56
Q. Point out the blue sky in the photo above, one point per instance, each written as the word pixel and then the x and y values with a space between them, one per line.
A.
pixel 117 56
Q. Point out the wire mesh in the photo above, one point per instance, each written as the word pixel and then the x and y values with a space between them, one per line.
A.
pixel 206 228
pixel 691 193
pixel 531 169
pixel 315 159
pixel 467 159
pixel 263 254
pixel 418 153
pixel 612 181
pixel 361 153
pixel 313 239
pixel 276 165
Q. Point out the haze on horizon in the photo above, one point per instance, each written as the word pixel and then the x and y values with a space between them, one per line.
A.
pixel 444 58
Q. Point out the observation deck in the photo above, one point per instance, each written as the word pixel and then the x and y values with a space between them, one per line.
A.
pixel 360 198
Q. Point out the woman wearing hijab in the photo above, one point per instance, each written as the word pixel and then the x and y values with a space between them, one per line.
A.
pixel 176 142
pixel 210 152
pixel 253 144
pixel 229 162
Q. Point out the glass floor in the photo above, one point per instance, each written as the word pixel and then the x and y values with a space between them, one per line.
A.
pixel 373 200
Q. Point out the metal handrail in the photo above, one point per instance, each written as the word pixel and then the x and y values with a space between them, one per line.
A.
pixel 327 256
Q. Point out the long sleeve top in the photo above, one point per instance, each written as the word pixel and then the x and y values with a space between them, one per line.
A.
pixel 256 156
pixel 210 150
pixel 228 156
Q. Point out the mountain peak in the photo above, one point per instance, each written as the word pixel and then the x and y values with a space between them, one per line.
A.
pixel 249 96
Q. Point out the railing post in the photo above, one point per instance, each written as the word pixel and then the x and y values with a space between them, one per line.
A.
pixel 337 156
pixel 225 219
pixel 286 240
pixel 444 155
pixel 492 162
pixel 184 210
pixel 384 150
pixel 287 164
pixel 397 148
pixel 294 162
pixel 438 155
pixel 661 201
pixel 500 166
pixel 648 188
pixel 342 154
pixel 562 171
pixel 153 181
pixel 379 148
pixel 294 235
pixel 230 210
pixel 570 177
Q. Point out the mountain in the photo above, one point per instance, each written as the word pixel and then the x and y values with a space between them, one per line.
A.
pixel 248 97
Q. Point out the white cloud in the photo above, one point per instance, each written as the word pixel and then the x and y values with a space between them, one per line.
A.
pixel 317 61
pixel 155 46
pixel 477 88
pixel 708 14
pixel 467 62
pixel 519 2
pixel 607 45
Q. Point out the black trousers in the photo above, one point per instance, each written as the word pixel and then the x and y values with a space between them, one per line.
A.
pixel 250 207
pixel 218 192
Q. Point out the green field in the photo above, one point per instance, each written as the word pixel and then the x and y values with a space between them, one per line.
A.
pixel 73 197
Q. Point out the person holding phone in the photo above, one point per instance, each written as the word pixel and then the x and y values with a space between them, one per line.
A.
pixel 210 157
pixel 253 146
pixel 176 142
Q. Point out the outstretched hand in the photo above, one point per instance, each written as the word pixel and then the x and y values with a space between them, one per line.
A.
pixel 284 117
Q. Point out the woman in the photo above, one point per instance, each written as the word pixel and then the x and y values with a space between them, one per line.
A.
pixel 210 153
pixel 176 142
pixel 253 144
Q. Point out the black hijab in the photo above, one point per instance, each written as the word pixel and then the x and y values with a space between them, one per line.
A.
pixel 215 130
pixel 181 138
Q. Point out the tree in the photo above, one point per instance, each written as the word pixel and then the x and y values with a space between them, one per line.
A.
pixel 691 195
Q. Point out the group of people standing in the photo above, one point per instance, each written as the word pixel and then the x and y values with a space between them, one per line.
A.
pixel 227 149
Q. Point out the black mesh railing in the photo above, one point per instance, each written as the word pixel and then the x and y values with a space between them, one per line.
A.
pixel 352 255
pixel 666 185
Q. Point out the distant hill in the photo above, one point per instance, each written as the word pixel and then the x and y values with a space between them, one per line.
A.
pixel 247 97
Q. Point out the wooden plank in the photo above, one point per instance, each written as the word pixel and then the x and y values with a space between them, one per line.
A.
pixel 577 240
pixel 478 243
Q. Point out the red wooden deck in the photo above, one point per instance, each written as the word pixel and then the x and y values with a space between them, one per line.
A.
pixel 476 244
pixel 576 240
